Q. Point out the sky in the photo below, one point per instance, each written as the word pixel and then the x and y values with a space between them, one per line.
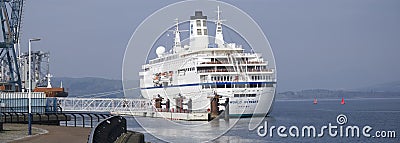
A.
pixel 329 44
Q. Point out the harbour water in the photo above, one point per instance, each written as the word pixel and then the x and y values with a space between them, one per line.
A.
pixel 382 114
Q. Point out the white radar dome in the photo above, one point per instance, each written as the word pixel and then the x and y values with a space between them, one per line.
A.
pixel 160 51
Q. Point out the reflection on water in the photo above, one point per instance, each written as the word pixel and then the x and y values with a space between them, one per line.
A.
pixel 183 131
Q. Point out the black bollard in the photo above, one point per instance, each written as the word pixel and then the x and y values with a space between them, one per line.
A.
pixel 226 109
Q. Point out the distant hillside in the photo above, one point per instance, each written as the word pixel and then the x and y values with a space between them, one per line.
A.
pixel 90 86
pixel 391 89
pixel 323 93
pixel 384 87
pixel 100 87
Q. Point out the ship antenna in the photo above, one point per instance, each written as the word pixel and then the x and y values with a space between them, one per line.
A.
pixel 218 12
pixel 219 37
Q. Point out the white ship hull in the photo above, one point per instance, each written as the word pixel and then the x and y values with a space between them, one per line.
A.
pixel 238 106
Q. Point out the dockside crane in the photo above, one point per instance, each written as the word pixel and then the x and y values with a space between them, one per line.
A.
pixel 11 13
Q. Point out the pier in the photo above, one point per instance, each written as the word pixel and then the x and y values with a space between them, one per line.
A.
pixel 86 112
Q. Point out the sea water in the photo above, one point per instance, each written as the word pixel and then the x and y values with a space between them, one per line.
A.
pixel 381 114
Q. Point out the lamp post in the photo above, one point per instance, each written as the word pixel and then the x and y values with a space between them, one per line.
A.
pixel 30 86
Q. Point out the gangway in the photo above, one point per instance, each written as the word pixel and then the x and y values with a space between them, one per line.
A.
pixel 74 104
pixel 124 106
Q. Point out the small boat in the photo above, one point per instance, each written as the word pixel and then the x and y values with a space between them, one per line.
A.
pixel 342 101
pixel 315 101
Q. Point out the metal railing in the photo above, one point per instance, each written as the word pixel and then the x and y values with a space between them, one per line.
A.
pixel 69 104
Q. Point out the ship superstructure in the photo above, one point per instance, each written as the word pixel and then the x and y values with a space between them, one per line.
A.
pixel 208 66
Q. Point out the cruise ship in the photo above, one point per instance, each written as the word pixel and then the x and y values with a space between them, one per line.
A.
pixel 206 66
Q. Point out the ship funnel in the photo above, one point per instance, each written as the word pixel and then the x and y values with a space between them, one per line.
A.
pixel 198 31
pixel 48 76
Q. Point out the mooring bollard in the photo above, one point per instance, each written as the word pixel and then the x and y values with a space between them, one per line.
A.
pixel 179 103
pixel 214 106
pixel 226 109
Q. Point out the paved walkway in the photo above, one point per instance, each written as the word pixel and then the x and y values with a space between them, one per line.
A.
pixel 16 131
pixel 58 134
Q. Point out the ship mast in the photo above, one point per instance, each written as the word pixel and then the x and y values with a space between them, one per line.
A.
pixel 177 39
pixel 219 37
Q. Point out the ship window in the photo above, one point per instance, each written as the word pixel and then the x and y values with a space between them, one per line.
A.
pixel 198 22
pixel 205 31
pixel 204 23
pixel 198 31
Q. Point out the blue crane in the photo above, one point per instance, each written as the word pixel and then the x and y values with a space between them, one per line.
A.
pixel 11 13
